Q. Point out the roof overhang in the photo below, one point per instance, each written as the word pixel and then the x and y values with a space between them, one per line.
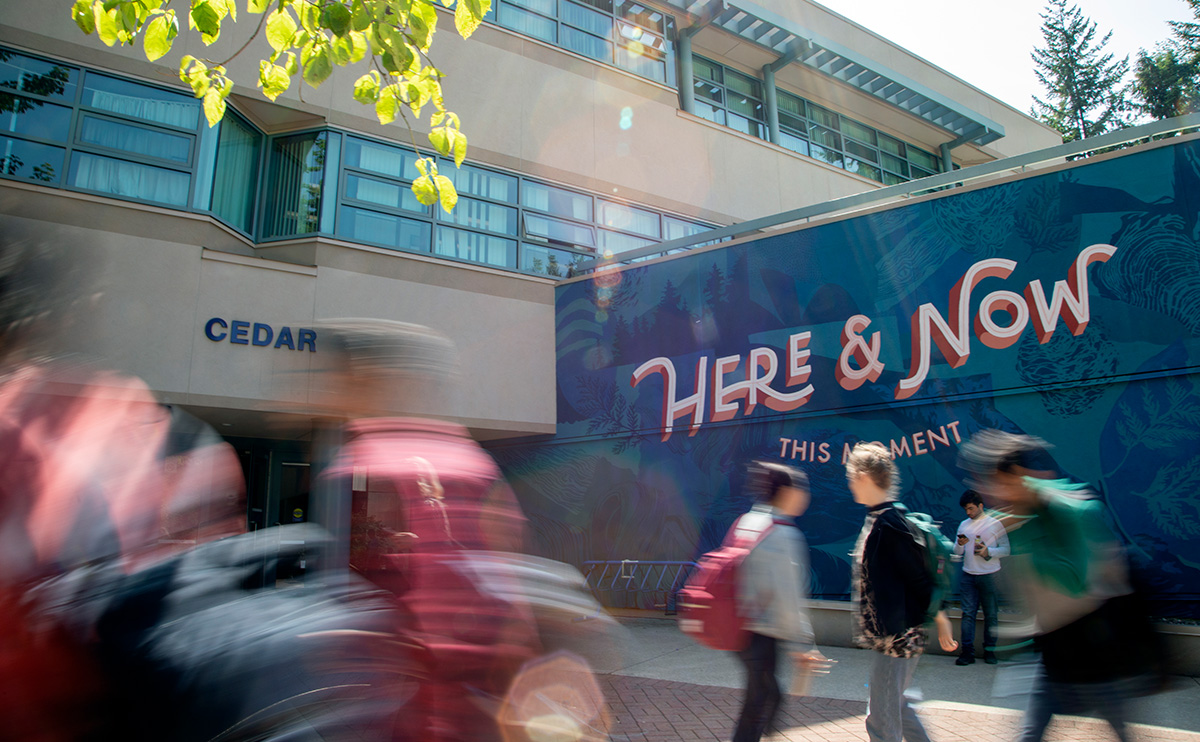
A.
pixel 795 45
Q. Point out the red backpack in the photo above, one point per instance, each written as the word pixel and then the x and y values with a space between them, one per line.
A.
pixel 708 603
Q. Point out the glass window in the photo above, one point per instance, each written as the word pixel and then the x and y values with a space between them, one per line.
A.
pixel 792 105
pixel 392 194
pixel 745 125
pixel 824 154
pixel 129 179
pixel 795 125
pixel 140 101
pixel 40 162
pixel 629 219
pixel 476 247
pixel 37 76
pixel 861 151
pixel 530 24
pixel 858 131
pixel 707 90
pixel 639 63
pixel 294 176
pixel 823 116
pixel 138 140
pixel 372 227
pixel 891 179
pixel 382 159
pixel 923 159
pixel 473 181
pixel 542 7
pixel 641 15
pixel 824 137
pixel 736 102
pixel 674 229
pixel 615 243
pixel 586 44
pixel 557 230
pixel 556 201
pixel 741 84
pixel 863 169
pixel 711 113
pixel 895 164
pixel 235 182
pixel 703 69
pixel 34 118
pixel 483 215
pixel 547 261
pixel 793 142
pixel 586 19
pixel 891 146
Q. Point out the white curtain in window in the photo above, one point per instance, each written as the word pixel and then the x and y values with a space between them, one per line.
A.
pixel 176 113
pixel 131 179
pixel 236 178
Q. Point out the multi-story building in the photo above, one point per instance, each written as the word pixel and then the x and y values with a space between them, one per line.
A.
pixel 596 126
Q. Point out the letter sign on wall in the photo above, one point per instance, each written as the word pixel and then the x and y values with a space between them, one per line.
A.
pixel 240 332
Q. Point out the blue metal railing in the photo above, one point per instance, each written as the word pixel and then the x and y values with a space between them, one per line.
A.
pixel 634 583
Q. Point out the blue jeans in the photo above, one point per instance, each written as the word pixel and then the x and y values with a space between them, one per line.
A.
pixel 889 714
pixel 973 591
pixel 1047 698
pixel 763 695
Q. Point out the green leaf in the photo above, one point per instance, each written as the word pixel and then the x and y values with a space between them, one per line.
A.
pixel 337 18
pixel 424 190
pixel 206 20
pixel 281 27
pixel 310 17
pixel 83 16
pixel 385 107
pixel 422 23
pixel 231 9
pixel 423 164
pixel 467 20
pixel 194 73
pixel 340 50
pixel 359 40
pixel 447 195
pixel 315 61
pixel 106 24
pixel 366 88
pixel 292 66
pixel 460 148
pixel 440 140
pixel 361 18
pixel 399 59
pixel 273 79
pixel 159 34
pixel 257 6
pixel 214 105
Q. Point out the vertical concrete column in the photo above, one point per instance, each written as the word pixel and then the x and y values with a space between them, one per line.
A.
pixel 771 103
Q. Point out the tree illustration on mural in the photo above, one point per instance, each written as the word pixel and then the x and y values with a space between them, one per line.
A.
pixel 309 38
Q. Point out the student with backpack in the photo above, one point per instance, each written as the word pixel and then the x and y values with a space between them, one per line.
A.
pixel 772 591
pixel 897 588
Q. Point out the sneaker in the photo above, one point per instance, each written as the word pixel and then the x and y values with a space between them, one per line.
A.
pixel 965 659
pixel 990 658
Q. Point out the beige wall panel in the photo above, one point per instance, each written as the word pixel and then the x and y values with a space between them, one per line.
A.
pixel 278 298
pixel 132 308
pixel 506 346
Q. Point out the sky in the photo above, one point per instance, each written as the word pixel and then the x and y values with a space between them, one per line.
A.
pixel 987 44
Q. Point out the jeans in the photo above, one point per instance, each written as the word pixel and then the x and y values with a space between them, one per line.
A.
pixel 762 689
pixel 1047 698
pixel 889 714
pixel 974 590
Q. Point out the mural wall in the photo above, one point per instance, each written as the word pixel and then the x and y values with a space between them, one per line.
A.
pixel 1066 305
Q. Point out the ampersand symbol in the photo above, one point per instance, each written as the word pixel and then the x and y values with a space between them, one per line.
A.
pixel 864 354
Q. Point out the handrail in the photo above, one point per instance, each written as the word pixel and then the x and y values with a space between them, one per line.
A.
pixel 933 182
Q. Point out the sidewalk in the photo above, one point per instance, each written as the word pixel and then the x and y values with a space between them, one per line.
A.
pixel 661 686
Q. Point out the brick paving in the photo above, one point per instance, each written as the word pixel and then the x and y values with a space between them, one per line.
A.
pixel 646 710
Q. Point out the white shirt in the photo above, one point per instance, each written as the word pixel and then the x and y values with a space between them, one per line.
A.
pixel 988 530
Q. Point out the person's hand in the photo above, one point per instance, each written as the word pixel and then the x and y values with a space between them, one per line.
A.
pixel 982 550
pixel 813 661
pixel 962 540
pixel 945 632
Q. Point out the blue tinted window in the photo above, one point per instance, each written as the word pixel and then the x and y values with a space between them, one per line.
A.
pixel 140 101
pixel 235 183
pixel 373 227
pixel 136 139
pixel 393 194
pixel 483 215
pixel 40 162
pixel 32 117
pixel 37 76
pixel 129 179
pixel 475 247
pixel 381 158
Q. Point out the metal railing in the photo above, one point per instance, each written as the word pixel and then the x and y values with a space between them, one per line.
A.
pixel 903 190
pixel 633 583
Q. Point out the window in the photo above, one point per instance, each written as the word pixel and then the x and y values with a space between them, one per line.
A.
pixel 621 33
pixel 295 180
pixel 817 132
pixel 235 182
pixel 727 97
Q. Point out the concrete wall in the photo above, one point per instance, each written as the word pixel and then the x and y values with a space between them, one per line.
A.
pixel 154 287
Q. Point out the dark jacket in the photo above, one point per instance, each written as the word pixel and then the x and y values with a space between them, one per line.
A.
pixel 892 583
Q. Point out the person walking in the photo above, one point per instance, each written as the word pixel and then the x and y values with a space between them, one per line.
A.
pixel 892 591
pixel 773 593
pixel 982 543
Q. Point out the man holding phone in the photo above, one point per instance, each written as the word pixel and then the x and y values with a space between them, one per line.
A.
pixel 981 542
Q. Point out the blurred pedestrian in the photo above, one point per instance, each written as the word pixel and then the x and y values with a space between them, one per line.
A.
pixel 431 519
pixel 892 591
pixel 1097 645
pixel 982 543
pixel 773 593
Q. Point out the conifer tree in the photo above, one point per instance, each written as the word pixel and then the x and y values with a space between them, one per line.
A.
pixel 1083 82
pixel 1164 84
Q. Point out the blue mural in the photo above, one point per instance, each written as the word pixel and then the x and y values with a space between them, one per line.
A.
pixel 1065 305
